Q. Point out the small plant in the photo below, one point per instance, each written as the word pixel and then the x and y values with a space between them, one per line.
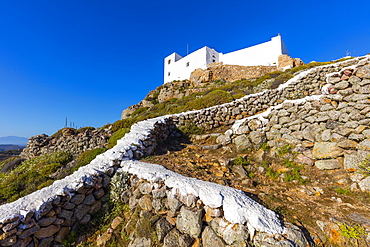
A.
pixel 86 157
pixel 364 167
pixel 287 148
pixel 265 163
pixel 192 129
pixel 124 123
pixel 265 147
pixel 351 231
pixel 342 191
pixel 240 160
pixel 116 136
pixel 272 174
pixel 118 185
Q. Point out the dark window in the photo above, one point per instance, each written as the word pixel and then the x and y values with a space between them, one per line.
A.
pixel 187 64
pixel 169 61
pixel 169 73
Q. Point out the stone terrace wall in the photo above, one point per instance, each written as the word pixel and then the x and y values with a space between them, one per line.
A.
pixel 329 131
pixel 45 217
pixel 73 143
pixel 188 212
pixel 306 83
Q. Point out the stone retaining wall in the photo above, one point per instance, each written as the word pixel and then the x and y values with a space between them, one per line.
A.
pixel 306 83
pixel 73 143
pixel 209 215
pixel 329 131
pixel 45 217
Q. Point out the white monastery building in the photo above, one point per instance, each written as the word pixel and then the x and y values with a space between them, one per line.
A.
pixel 177 67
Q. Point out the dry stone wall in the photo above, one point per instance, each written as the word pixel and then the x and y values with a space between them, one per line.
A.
pixel 329 131
pixel 306 83
pixel 70 142
pixel 45 217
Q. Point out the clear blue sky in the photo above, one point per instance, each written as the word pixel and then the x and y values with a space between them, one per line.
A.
pixel 90 59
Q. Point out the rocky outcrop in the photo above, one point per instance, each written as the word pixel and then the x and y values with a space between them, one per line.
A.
pixel 68 141
pixel 286 62
pixel 228 73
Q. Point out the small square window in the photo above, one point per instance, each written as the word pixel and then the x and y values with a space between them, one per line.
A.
pixel 169 73
pixel 169 61
pixel 187 64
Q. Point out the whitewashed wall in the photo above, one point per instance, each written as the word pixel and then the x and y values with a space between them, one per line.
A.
pixel 180 67
pixel 263 54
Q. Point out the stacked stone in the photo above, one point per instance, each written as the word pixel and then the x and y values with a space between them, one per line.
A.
pixel 53 222
pixel 330 133
pixel 45 217
pixel 75 144
pixel 183 220
pixel 307 83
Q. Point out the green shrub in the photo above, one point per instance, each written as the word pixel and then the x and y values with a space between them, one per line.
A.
pixel 272 174
pixel 345 192
pixel 86 157
pixel 215 97
pixel 238 95
pixel 351 231
pixel 139 111
pixel 116 136
pixel 240 160
pixel 31 175
pixel 265 147
pixel 287 148
pixel 124 123
pixel 59 133
pixel 83 129
pixel 192 129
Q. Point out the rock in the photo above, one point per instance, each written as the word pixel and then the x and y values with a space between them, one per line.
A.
pixel 46 232
pixel 11 165
pixel 29 232
pixel 80 211
pixel 327 164
pixel 162 227
pixel 9 241
pixel 348 144
pixel 232 234
pixel 190 221
pixel 326 150
pixel 257 137
pixel 364 72
pixel 242 143
pixel 141 242
pixel 103 239
pixel 210 239
pixel 240 171
pixel 46 221
pixel 145 202
pixel 364 145
pixel 78 199
pixel 46 242
pixel 175 239
pixel 62 234
pixel 364 184
pixel 353 160
pixel 89 199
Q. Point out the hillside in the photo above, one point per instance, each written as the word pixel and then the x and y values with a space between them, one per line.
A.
pixel 296 142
